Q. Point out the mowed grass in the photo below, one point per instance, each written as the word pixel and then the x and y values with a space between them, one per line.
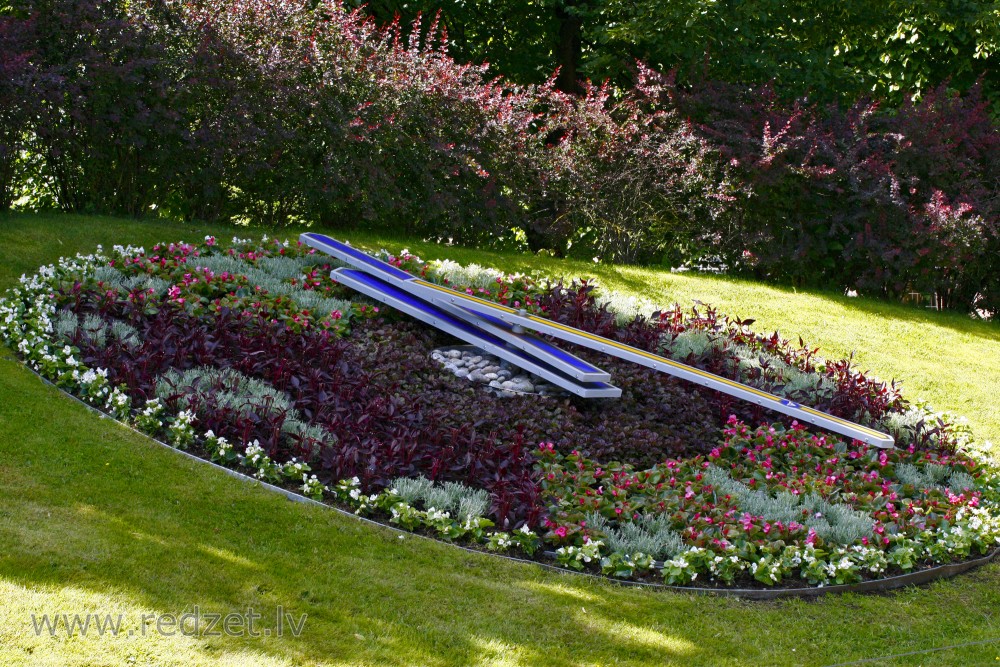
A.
pixel 97 519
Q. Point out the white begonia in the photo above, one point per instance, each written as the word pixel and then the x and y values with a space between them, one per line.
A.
pixel 311 486
pixel 501 540
pixel 434 514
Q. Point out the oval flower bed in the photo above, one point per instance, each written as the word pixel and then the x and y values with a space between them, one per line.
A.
pixel 250 356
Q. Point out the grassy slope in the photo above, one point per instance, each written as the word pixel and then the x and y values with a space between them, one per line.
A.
pixel 94 518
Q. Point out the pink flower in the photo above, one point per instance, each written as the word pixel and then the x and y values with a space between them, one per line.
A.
pixel 560 531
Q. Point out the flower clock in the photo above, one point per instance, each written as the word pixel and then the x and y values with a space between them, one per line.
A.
pixel 249 355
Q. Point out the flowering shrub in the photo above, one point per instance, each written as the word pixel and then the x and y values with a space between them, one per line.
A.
pixel 885 202
pixel 210 348
pixel 279 112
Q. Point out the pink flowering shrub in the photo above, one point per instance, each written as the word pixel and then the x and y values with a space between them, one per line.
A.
pixel 291 111
pixel 886 201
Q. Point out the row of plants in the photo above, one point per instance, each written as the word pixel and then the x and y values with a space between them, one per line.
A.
pixel 663 484
pixel 297 111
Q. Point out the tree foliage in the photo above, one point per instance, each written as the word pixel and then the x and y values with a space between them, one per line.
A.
pixel 826 51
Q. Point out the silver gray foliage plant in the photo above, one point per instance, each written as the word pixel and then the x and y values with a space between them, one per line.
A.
pixel 467 503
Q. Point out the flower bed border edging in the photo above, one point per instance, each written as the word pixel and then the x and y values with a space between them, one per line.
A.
pixel 917 578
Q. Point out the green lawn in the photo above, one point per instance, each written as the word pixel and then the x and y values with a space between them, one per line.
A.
pixel 94 518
